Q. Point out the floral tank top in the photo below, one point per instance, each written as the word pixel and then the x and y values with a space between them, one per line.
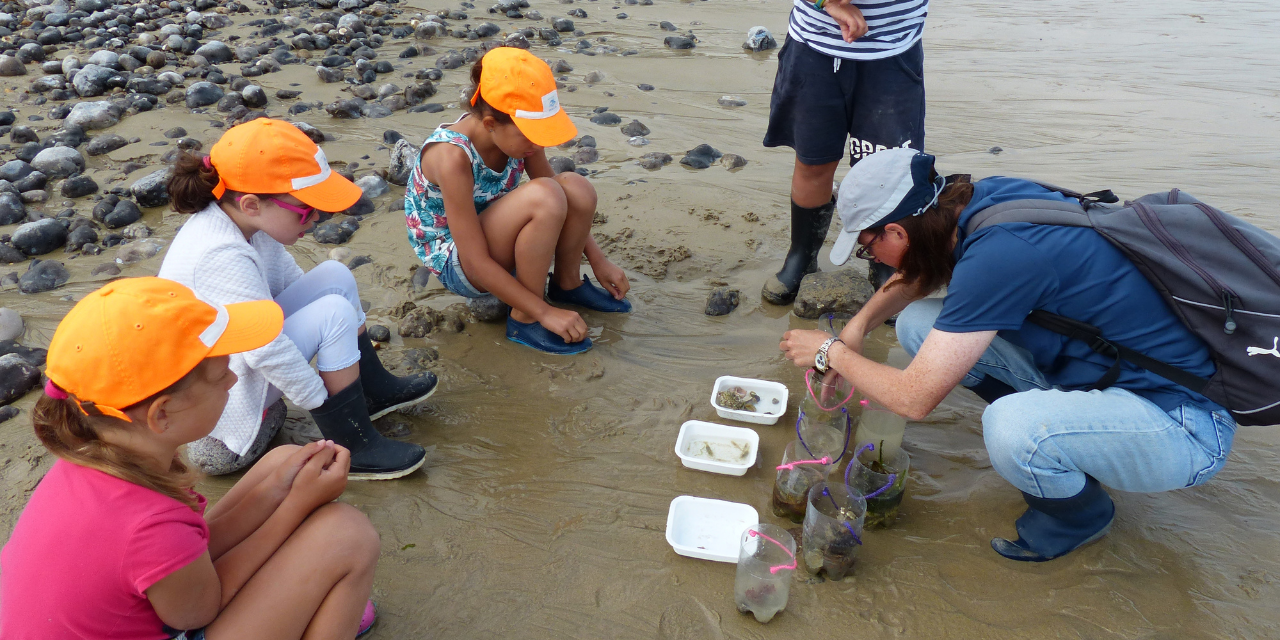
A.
pixel 424 204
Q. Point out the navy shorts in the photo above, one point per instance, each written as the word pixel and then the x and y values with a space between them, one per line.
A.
pixel 817 104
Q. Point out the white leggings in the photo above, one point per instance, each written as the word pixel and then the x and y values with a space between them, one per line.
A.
pixel 322 315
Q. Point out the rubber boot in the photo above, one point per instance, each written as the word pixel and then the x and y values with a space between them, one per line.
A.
pixel 1051 528
pixel 991 389
pixel 344 418
pixel 808 232
pixel 384 392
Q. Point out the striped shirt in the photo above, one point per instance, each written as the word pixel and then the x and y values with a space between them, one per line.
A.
pixel 893 27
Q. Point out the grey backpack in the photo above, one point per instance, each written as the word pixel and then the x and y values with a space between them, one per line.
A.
pixel 1219 274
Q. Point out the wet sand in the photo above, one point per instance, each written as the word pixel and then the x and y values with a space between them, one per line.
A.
pixel 543 508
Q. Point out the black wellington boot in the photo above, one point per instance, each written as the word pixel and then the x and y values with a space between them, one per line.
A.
pixel 344 418
pixel 1051 528
pixel 808 232
pixel 385 392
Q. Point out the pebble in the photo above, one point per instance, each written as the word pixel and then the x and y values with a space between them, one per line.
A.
pixel 561 25
pixel 11 66
pixel 759 39
pixel 105 143
pixel 254 97
pixel 340 254
pixel 373 186
pixel 701 156
pixel 94 115
pixel 8 413
pixel 842 291
pixel 123 214
pixel 377 332
pixel 175 133
pixel 138 251
pixel 417 323
pixel 593 77
pixel 722 301
pixel 9 254
pixel 559 164
pixel 332 233
pixel 667 26
pixel 585 155
pixel 654 160
pixel 488 308
pixel 58 162
pixel 43 275
pixel 79 187
pixel 995 151
pixel 35 356
pixel 152 190
pixel 679 42
pixel 733 161
pixel 637 141
pixel 327 74
pixel 17 378
pixel 635 128
pixel 363 207
pixel 359 261
pixel 81 236
pixel 403 155
pixel 606 119
pixel 203 94
pixel 730 101
pixel 40 237
pixel 106 269
pixel 421 279
pixel 644 87
pixel 11 324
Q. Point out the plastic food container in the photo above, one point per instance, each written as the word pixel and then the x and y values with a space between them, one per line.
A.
pixel 708 529
pixel 772 404
pixel 707 446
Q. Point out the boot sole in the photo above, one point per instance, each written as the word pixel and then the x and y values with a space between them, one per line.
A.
pixel 1039 558
pixel 405 404
pixel 386 475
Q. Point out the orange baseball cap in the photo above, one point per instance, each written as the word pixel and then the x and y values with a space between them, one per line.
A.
pixel 135 337
pixel 520 85
pixel 273 156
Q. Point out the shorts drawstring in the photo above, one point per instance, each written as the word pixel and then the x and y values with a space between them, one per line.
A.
pixel 836 66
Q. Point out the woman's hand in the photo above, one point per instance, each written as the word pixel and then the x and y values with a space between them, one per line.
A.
pixel 801 346
pixel 564 323
pixel 612 278
pixel 322 479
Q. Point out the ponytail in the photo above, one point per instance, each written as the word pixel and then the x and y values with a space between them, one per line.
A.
pixel 191 185
pixel 480 108
pixel 68 432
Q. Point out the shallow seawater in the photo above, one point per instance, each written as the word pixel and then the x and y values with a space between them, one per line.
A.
pixel 542 510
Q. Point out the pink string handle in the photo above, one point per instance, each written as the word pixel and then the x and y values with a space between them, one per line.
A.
pixel 808 383
pixel 782 567
pixel 792 465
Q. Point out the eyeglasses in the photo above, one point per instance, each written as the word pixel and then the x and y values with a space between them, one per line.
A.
pixel 864 252
pixel 304 213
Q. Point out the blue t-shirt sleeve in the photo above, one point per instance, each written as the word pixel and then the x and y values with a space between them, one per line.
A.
pixel 999 280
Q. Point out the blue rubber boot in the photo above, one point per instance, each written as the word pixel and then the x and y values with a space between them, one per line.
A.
pixel 537 336
pixel 589 296
pixel 1051 528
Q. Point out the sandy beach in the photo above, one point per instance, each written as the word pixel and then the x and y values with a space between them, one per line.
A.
pixel 542 509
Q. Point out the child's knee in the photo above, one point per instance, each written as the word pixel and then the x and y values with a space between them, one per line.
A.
pixel 578 191
pixel 336 274
pixel 349 531
pixel 549 197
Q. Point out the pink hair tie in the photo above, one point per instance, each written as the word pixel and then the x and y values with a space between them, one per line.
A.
pixel 208 162
pixel 53 391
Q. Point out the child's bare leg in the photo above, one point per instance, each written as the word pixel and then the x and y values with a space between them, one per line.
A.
pixel 314 587
pixel 581 200
pixel 254 476
pixel 523 229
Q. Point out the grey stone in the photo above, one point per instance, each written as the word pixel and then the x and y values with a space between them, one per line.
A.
pixel 105 143
pixel 15 170
pixel 91 80
pixel 23 134
pixel 373 186
pixel 607 118
pixel 722 301
pixel 654 160
pixel 152 190
pixel 635 128
pixel 843 291
pixel 759 39
pixel 733 161
pixel 80 236
pixel 332 233
pixel 105 268
pixel 215 52
pixel 12 211
pixel 488 308
pixel 730 101
pixel 203 94
pixel 328 74
pixel 363 207
pixel 403 157
pixel 137 251
pixel 562 25
pixel 9 254
pixel 417 323
pixel 43 275
pixel 561 164
pixel 585 155
pixel 17 378
pixel 58 162
pixel 11 66
pixel 123 214
pixel 254 96
pixel 105 58
pixel 40 237
pixel 377 332
pixel 175 133
pixel 679 42
pixel 353 108
pixel 78 187
pixel 701 156
pixel 11 324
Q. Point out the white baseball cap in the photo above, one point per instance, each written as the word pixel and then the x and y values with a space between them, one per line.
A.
pixel 883 187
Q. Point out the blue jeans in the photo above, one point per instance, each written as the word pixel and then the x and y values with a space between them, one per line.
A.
pixel 456 281
pixel 1044 440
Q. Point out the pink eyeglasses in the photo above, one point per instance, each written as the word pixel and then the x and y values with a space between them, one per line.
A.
pixel 303 212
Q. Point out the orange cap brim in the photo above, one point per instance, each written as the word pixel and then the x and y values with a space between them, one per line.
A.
pixel 548 132
pixel 250 325
pixel 335 194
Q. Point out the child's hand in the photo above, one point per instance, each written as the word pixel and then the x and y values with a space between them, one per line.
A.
pixel 322 479
pixel 564 323
pixel 612 279
pixel 282 479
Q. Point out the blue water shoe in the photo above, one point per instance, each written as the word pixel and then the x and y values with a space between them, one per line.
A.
pixel 540 338
pixel 588 295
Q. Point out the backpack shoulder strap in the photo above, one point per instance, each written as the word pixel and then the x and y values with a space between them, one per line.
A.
pixel 1091 336
pixel 1066 214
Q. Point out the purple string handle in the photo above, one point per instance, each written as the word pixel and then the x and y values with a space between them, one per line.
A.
pixel 782 567
pixel 893 477
pixel 846 524
pixel 848 430
pixel 792 465
pixel 808 383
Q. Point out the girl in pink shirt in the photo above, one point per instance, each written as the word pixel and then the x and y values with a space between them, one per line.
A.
pixel 115 543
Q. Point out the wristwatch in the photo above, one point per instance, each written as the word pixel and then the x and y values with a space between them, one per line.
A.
pixel 820 362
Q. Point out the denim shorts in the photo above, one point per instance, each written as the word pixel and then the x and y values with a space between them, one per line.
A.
pixel 194 634
pixel 819 101
pixel 456 281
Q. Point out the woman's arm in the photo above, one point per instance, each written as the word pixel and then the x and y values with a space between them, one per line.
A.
pixel 884 304
pixel 452 167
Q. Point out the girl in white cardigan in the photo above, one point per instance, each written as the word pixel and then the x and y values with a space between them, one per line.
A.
pixel 258 191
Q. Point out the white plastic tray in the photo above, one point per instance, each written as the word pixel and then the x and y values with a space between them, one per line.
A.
pixel 708 529
pixel 707 446
pixel 768 390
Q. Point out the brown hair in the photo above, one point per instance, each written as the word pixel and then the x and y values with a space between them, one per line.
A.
pixel 192 182
pixel 69 433
pixel 481 108
pixel 927 262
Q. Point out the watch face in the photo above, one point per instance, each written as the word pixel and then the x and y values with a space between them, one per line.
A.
pixel 821 361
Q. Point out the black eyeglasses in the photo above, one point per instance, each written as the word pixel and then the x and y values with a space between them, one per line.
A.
pixel 864 252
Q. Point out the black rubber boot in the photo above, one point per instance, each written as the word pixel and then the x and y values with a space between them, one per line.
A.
pixel 808 232
pixel 1051 528
pixel 344 418
pixel 991 389
pixel 384 392
pixel 879 273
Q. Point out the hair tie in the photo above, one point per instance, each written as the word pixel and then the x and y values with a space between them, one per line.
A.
pixel 208 162
pixel 53 391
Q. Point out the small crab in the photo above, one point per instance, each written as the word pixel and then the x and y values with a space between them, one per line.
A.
pixel 846 514
pixel 738 399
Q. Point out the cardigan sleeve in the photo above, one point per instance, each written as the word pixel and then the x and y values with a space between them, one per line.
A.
pixel 229 274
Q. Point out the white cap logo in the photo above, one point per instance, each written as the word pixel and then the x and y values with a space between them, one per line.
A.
pixel 550 106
